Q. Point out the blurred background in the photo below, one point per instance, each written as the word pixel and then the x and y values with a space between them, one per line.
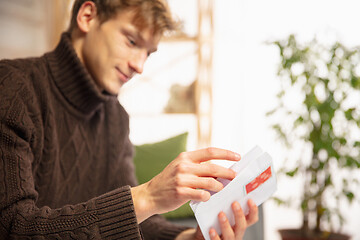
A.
pixel 215 80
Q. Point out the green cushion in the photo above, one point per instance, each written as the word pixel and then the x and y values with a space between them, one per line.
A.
pixel 151 159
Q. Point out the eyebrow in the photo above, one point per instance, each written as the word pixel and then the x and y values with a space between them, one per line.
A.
pixel 139 35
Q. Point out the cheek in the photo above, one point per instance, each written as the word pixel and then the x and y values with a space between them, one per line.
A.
pixel 119 48
pixel 91 49
pixel 93 59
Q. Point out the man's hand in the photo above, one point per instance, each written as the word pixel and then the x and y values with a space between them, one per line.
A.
pixel 241 222
pixel 228 232
pixel 184 179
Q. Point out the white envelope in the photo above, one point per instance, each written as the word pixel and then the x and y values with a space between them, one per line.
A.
pixel 255 180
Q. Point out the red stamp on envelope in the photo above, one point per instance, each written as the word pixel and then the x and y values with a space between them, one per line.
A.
pixel 263 177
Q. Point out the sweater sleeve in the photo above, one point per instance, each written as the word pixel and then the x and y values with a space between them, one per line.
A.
pixel 157 227
pixel 109 216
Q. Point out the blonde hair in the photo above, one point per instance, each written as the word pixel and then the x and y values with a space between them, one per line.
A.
pixel 153 14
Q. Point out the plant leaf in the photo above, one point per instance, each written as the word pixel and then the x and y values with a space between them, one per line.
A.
pixel 293 172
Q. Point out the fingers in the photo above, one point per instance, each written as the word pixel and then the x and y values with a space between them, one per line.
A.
pixel 198 234
pixel 200 176
pixel 226 229
pixel 213 234
pixel 207 183
pixel 253 215
pixel 240 220
pixel 228 232
pixel 207 154
pixel 194 194
pixel 209 170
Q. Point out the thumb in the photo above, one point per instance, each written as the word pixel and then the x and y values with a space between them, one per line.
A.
pixel 198 234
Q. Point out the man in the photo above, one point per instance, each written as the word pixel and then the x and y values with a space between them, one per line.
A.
pixel 65 156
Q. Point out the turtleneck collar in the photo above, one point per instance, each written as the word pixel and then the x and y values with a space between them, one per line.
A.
pixel 72 78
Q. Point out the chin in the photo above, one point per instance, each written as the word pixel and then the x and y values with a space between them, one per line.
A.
pixel 114 90
pixel 113 93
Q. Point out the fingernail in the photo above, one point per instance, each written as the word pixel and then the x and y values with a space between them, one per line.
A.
pixel 234 173
pixel 237 156
pixel 236 206
pixel 222 217
pixel 212 233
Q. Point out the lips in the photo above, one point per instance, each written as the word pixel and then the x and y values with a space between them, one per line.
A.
pixel 123 77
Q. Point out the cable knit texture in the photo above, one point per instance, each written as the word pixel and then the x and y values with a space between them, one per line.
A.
pixel 65 156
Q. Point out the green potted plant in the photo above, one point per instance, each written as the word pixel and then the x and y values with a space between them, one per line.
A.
pixel 323 121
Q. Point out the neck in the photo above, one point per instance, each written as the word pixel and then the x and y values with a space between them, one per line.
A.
pixel 72 78
pixel 77 40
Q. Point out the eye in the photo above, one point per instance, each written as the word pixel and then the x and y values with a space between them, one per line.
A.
pixel 132 42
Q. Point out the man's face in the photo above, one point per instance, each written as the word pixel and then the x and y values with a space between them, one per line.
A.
pixel 114 51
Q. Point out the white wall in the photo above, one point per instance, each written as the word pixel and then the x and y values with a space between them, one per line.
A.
pixel 245 78
pixel 23 28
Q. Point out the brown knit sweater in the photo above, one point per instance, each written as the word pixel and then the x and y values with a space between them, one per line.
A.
pixel 65 157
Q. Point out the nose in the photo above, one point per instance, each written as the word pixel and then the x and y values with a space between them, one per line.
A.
pixel 138 61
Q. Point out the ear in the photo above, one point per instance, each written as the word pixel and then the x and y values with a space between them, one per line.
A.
pixel 86 16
